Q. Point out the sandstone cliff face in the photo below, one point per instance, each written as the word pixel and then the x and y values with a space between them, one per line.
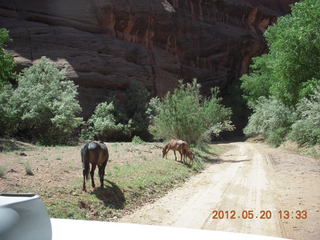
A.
pixel 106 44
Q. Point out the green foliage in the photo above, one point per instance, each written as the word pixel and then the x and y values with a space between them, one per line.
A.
pixel 44 106
pixel 6 60
pixel 290 70
pixel 153 109
pixel 136 108
pixel 270 118
pixel 306 130
pixel 294 44
pixel 257 83
pixel 28 168
pixel 286 78
pixel 104 124
pixel 137 140
pixel 111 122
pixel 276 137
pixel 9 117
pixel 3 170
pixel 184 114
pixel 276 121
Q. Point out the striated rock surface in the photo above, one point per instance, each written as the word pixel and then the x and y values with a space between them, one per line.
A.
pixel 106 44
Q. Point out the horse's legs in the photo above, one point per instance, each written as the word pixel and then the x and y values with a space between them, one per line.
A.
pixel 101 172
pixel 93 167
pixel 84 180
pixel 175 156
pixel 180 156
pixel 167 150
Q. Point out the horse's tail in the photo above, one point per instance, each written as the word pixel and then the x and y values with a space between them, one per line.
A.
pixel 85 160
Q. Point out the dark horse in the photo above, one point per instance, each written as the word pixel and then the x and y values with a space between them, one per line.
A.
pixel 95 153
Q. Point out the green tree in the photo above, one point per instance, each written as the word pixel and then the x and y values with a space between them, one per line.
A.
pixel 114 121
pixel 45 104
pixel 271 118
pixel 137 98
pixel 6 60
pixel 306 129
pixel 8 115
pixel 105 124
pixel 257 83
pixel 290 70
pixel 184 114
pixel 294 44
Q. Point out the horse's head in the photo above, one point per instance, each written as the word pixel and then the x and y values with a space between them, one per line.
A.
pixel 164 152
pixel 189 154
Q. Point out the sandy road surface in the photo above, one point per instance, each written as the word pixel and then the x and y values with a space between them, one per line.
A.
pixel 250 176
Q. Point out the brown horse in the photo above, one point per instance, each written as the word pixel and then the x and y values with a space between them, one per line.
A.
pixel 188 153
pixel 175 145
pixel 95 153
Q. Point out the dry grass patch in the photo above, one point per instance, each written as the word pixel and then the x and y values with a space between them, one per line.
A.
pixel 136 174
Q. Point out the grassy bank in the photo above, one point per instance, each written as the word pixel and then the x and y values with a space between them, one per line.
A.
pixel 312 151
pixel 136 174
pixel 126 188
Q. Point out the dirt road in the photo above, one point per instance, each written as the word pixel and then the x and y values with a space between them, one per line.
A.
pixel 250 176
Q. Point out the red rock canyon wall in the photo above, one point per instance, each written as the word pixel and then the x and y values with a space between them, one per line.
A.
pixel 106 44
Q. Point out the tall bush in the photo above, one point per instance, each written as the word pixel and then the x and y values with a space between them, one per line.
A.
pixel 184 114
pixel 136 106
pixel 7 119
pixel 306 130
pixel 45 104
pixel 8 115
pixel 105 124
pixel 289 71
pixel 6 60
pixel 286 77
pixel 114 121
pixel 258 82
pixel 270 118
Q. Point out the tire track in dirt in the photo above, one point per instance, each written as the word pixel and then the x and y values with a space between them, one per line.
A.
pixel 252 190
pixel 244 179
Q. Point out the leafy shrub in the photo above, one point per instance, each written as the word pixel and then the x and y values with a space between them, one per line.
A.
pixel 6 73
pixel 3 170
pixel 136 106
pixel 6 60
pixel 257 83
pixel 137 140
pixel 306 129
pixel 104 124
pixel 111 121
pixel 277 136
pixel 28 168
pixel 153 109
pixel 288 71
pixel 270 118
pixel 44 105
pixel 8 116
pixel 184 114
pixel 294 48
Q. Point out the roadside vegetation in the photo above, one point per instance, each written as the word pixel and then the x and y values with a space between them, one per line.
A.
pixel 136 174
pixel 185 114
pixel 40 107
pixel 3 170
pixel 283 88
pixel 7 63
pixel 127 187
